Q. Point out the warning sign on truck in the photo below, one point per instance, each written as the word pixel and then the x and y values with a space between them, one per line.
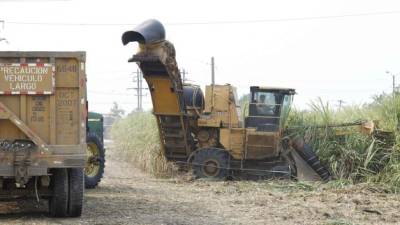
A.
pixel 27 78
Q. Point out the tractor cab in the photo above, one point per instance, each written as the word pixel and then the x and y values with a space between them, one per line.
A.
pixel 268 108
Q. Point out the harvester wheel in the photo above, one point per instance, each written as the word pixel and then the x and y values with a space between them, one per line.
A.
pixel 211 163
pixel 58 203
pixel 95 161
pixel 313 161
pixel 76 189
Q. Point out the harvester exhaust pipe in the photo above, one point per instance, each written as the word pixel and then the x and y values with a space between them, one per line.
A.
pixel 149 32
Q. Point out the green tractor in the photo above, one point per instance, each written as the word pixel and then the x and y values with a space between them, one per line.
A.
pixel 95 150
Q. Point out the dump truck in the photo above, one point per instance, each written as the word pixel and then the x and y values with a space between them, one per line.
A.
pixel 208 133
pixel 43 128
pixel 95 163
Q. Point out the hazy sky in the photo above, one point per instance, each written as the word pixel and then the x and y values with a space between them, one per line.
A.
pixel 337 50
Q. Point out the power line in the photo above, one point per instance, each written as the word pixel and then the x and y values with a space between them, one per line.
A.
pixel 218 22
pixel 289 19
pixel 34 0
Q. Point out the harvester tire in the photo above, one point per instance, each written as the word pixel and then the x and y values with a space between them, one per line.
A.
pixel 76 189
pixel 313 161
pixel 211 163
pixel 58 202
pixel 94 169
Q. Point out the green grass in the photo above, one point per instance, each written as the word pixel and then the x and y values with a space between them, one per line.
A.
pixel 353 157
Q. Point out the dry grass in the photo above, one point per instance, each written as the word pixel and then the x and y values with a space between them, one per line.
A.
pixel 136 138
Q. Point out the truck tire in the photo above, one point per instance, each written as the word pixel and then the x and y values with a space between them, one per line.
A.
pixel 76 189
pixel 211 163
pixel 96 161
pixel 313 161
pixel 58 202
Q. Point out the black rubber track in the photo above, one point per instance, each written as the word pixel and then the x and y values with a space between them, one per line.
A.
pixel 58 203
pixel 92 182
pixel 76 189
pixel 312 160
pixel 202 156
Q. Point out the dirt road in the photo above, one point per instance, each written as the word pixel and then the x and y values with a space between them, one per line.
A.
pixel 128 196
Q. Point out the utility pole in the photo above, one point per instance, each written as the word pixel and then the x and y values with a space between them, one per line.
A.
pixel 139 89
pixel 212 71
pixel 184 73
pixel 396 119
pixel 394 85
pixel 341 102
pixel 212 81
pixel 2 29
pixel 393 82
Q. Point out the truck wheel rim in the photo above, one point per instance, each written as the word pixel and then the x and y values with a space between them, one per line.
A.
pixel 92 165
pixel 211 168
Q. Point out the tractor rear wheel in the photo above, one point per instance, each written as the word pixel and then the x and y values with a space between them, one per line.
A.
pixel 58 203
pixel 211 163
pixel 95 161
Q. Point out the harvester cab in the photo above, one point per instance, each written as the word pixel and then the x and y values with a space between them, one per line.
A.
pixel 268 108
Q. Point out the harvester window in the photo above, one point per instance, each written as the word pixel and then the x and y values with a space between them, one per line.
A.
pixel 287 102
pixel 265 109
pixel 265 103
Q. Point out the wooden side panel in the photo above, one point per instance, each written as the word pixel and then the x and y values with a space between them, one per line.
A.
pixel 67 72
pixel 165 100
pixel 67 101
pixel 67 116
pixel 233 140
pixel 38 115
pixel 82 101
pixel 10 60
pixel 261 145
pixel 7 129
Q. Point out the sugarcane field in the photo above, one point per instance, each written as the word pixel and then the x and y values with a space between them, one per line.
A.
pixel 173 112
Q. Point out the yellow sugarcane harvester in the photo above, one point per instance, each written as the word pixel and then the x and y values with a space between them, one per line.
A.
pixel 207 133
